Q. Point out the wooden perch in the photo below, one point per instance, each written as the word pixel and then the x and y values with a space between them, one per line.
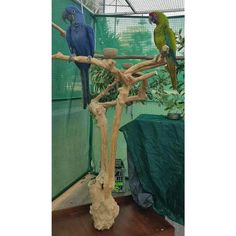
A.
pixel 106 64
pixel 145 76
pixel 104 209
pixel 109 87
pixel 101 56
pixel 143 65
pixel 62 32
pixel 109 64
pixel 99 112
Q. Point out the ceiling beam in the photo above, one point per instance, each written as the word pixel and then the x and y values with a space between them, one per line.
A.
pixel 81 3
pixel 147 11
pixel 130 5
pixel 113 5
pixel 180 10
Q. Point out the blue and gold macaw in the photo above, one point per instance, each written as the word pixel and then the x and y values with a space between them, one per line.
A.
pixel 80 39
pixel 164 35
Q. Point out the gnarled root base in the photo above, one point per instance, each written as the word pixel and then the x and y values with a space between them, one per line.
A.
pixel 103 210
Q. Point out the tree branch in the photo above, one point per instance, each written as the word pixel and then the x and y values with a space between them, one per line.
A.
pixel 106 64
pixel 145 76
pixel 144 65
pixel 62 32
pixel 101 56
pixel 99 111
pixel 108 104
pixel 109 87
pixel 110 65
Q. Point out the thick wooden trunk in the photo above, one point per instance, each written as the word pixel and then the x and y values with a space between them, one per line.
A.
pixel 104 208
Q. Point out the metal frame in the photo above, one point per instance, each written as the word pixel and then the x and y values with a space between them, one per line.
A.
pixel 141 12
pixel 84 6
pixel 129 4
pixel 132 16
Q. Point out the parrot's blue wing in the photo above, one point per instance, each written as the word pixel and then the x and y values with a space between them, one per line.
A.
pixel 80 39
pixel 69 41
pixel 81 44
pixel 171 51
pixel 90 34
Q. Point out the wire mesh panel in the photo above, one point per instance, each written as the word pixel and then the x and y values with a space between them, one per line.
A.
pixel 140 6
pixel 161 5
pixel 70 123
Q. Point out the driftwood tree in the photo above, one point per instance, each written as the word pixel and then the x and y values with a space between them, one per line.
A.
pixel 104 208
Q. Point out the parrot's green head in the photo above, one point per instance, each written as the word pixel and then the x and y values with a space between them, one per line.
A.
pixel 158 18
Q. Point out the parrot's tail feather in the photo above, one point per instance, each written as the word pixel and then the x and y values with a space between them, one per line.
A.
pixel 172 57
pixel 85 86
pixel 172 70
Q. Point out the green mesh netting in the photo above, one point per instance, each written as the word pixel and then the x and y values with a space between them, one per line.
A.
pixel 65 76
pixel 70 144
pixel 70 132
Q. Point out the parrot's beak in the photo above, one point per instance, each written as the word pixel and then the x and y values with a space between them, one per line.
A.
pixel 150 19
pixel 64 16
pixel 67 16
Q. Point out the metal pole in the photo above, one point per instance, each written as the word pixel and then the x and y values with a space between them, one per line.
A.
pixel 104 3
pixel 115 17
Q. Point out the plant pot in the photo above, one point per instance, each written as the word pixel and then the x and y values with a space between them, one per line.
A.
pixel 126 65
pixel 109 52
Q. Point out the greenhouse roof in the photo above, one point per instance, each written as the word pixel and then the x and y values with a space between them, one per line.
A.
pixel 133 7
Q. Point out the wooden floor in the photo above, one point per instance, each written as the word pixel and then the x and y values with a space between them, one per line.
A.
pixel 78 194
pixel 131 221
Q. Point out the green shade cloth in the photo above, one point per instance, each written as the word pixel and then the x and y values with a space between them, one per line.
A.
pixel 156 147
pixel 70 123
pixel 70 144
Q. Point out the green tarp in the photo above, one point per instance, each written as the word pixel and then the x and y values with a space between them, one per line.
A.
pixel 156 148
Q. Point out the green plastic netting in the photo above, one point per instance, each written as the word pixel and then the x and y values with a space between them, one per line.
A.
pixel 70 132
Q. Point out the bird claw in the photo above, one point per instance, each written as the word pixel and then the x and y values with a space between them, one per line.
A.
pixel 89 58
pixel 162 56
pixel 158 58
pixel 72 57
pixel 165 50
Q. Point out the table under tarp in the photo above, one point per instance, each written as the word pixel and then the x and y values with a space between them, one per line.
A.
pixel 155 148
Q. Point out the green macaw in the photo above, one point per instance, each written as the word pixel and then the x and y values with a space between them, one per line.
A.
pixel 164 35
